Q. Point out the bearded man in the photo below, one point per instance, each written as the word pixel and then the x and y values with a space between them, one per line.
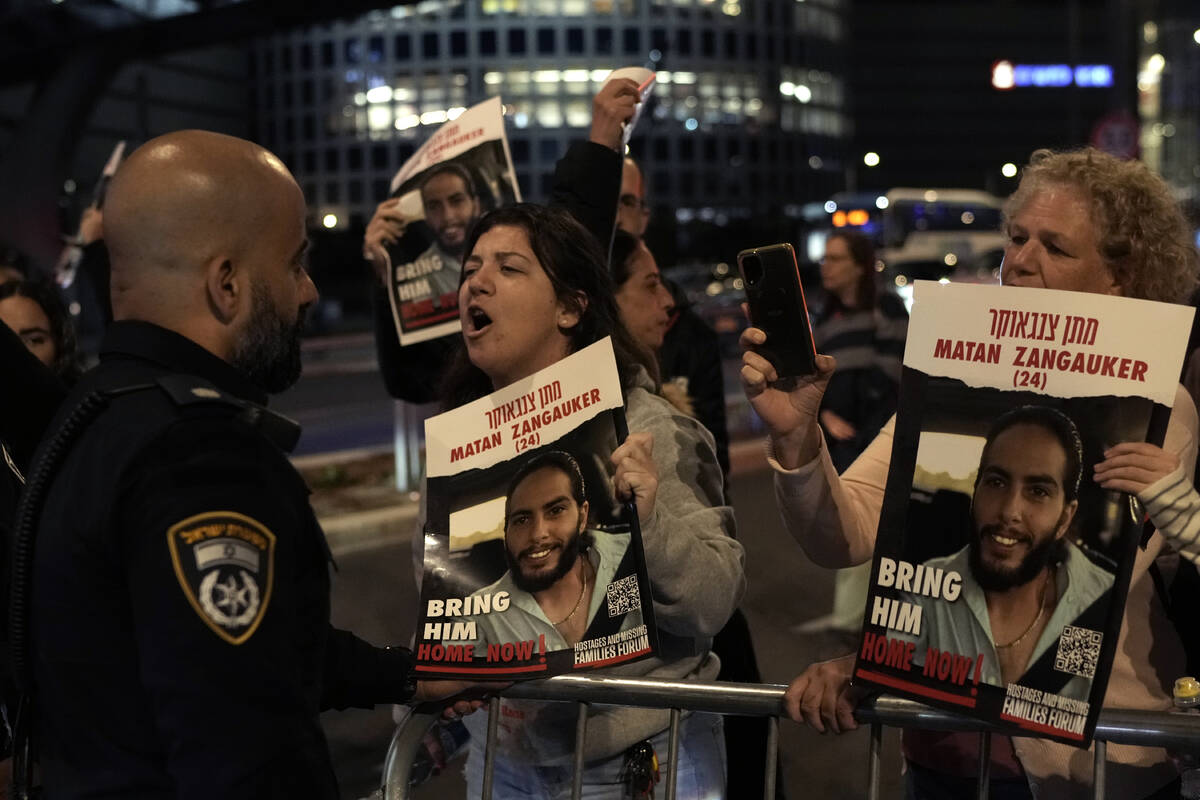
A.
pixel 179 624
pixel 1023 580
pixel 554 561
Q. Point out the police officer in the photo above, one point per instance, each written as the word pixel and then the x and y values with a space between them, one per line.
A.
pixel 180 589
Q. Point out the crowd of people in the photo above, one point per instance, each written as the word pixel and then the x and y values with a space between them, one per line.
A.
pixel 170 622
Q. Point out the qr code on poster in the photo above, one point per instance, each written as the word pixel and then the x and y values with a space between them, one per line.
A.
pixel 623 596
pixel 1078 651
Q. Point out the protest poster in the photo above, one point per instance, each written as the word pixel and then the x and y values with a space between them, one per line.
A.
pixel 1001 567
pixel 462 171
pixel 532 567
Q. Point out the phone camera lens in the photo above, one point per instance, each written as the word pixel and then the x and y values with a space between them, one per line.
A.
pixel 752 269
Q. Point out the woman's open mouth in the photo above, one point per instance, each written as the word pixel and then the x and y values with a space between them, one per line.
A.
pixel 477 321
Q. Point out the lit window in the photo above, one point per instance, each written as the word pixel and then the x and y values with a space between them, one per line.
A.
pixel 379 118
pixel 380 94
pixel 549 115
pixel 521 112
pixel 579 114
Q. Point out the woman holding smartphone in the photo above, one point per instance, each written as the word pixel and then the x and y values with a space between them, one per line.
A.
pixel 535 288
pixel 1079 221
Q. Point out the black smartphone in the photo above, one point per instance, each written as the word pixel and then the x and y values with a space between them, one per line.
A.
pixel 771 277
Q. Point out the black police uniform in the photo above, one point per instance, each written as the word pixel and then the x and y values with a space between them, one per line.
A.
pixel 180 615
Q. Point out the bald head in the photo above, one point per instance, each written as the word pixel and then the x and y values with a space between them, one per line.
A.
pixel 197 222
pixel 183 199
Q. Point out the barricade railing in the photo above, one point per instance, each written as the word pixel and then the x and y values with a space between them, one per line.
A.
pixel 1177 731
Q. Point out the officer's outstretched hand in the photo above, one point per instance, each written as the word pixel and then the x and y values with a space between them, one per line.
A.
pixel 823 697
pixel 461 697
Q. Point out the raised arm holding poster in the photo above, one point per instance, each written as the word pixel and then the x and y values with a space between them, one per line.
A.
pixel 531 566
pixel 1001 567
pixel 463 170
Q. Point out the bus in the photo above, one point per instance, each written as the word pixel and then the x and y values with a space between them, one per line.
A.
pixel 921 234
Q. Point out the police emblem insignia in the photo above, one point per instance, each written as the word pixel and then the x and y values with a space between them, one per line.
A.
pixel 225 563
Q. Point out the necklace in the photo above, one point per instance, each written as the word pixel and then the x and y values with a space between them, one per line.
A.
pixel 582 589
pixel 1041 610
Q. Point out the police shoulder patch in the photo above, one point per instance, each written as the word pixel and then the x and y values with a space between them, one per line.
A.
pixel 225 563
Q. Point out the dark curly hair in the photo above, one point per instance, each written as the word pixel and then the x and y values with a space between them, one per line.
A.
pixel 561 460
pixel 1054 422
pixel 1143 236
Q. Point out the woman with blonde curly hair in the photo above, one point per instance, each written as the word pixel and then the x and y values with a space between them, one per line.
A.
pixel 1079 221
pixel 1140 235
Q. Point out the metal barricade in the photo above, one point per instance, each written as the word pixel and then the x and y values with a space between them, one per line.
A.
pixel 1120 726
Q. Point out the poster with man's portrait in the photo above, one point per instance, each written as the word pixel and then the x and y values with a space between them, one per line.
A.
pixel 532 565
pixel 462 171
pixel 1001 565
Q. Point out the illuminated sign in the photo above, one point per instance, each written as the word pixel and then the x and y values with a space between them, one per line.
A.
pixel 1094 75
pixel 1006 75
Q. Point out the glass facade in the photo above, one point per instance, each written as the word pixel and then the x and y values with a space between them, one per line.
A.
pixel 1169 99
pixel 749 114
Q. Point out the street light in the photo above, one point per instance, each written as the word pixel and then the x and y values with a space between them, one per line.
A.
pixel 871 159
pixel 1009 170
pixel 329 220
pixel 1196 35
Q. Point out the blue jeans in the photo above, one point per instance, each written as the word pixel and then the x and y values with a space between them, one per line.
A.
pixel 701 769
